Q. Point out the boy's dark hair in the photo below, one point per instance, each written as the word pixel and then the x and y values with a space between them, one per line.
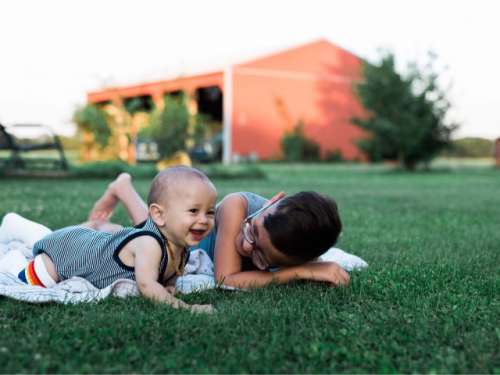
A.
pixel 304 225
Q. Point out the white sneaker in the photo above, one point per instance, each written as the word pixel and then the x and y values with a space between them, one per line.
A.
pixel 16 228
pixel 345 260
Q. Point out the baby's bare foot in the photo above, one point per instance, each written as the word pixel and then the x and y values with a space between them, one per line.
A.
pixel 122 180
pixel 104 207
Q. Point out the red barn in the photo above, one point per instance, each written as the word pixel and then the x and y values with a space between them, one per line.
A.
pixel 257 101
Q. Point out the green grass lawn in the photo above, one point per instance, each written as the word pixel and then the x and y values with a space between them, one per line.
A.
pixel 429 302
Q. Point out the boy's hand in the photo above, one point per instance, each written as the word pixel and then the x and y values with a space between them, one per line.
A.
pixel 329 272
pixel 204 309
pixel 170 289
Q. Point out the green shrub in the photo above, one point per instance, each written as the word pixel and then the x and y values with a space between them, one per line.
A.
pixel 169 126
pixel 94 120
pixel 334 156
pixel 297 147
pixel 111 169
pixel 234 172
pixel 470 148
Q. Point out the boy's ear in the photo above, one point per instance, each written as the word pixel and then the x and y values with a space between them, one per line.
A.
pixel 275 197
pixel 157 214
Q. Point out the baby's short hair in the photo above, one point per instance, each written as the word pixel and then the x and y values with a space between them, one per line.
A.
pixel 170 178
pixel 304 225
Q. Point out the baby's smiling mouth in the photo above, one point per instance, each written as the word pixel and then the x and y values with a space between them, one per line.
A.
pixel 197 233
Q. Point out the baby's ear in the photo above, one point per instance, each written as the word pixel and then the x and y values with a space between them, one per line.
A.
pixel 157 213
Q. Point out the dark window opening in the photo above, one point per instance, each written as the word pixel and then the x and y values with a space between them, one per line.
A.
pixel 209 101
pixel 208 131
pixel 135 104
pixel 177 94
pixel 102 103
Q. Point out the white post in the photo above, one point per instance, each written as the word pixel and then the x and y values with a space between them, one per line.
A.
pixel 228 115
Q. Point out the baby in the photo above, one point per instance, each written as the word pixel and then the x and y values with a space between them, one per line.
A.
pixel 181 210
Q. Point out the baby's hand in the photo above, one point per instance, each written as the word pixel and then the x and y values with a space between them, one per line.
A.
pixel 205 309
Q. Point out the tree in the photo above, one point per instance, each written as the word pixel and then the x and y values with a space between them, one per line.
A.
pixel 407 114
pixel 94 120
pixel 169 126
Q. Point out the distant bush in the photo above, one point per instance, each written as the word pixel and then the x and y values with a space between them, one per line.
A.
pixel 111 169
pixel 470 147
pixel 297 147
pixel 240 171
pixel 334 156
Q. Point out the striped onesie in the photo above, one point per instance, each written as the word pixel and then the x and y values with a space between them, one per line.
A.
pixel 93 255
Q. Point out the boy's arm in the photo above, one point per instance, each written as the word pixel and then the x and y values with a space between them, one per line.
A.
pixel 316 271
pixel 230 215
pixel 147 258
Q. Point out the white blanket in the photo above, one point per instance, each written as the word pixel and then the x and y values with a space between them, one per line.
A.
pixel 17 236
pixel 76 289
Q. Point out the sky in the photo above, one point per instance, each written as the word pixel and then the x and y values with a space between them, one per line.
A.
pixel 52 52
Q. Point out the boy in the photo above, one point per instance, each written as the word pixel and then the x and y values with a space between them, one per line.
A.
pixel 181 211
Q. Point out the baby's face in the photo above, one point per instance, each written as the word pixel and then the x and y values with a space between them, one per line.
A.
pixel 189 212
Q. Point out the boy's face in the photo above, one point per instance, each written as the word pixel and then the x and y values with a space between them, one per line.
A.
pixel 189 213
pixel 262 251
